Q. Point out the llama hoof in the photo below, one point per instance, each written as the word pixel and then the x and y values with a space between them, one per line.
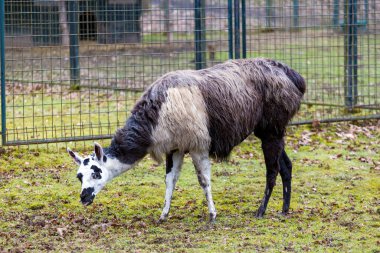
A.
pixel 285 212
pixel 162 219
pixel 259 216
pixel 212 217
pixel 259 213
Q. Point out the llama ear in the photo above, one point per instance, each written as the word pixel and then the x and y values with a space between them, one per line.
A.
pixel 98 151
pixel 75 156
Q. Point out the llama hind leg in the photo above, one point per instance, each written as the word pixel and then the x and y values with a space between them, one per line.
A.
pixel 173 168
pixel 286 176
pixel 203 168
pixel 272 148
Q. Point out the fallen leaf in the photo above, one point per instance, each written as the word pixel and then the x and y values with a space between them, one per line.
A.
pixel 60 231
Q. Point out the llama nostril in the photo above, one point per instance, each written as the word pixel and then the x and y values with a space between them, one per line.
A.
pixel 87 195
pixel 83 198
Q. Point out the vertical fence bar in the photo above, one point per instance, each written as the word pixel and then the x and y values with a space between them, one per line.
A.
pixel 168 32
pixel 354 44
pixel 230 31
pixel 296 13
pixel 268 13
pixel 366 13
pixel 2 53
pixel 73 13
pixel 243 29
pixel 203 34
pixel 237 28
pixel 336 13
pixel 200 34
pixel 350 54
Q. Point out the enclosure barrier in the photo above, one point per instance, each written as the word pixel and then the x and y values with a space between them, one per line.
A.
pixel 72 70
pixel 2 75
pixel 72 13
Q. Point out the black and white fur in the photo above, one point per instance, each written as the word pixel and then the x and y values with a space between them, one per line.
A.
pixel 205 113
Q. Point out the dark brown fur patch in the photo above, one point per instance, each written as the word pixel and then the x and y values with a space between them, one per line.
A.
pixel 243 95
pixel 131 142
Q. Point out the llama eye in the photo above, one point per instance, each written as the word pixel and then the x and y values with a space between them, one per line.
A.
pixel 96 175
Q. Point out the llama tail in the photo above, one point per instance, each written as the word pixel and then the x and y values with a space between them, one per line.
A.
pixel 296 78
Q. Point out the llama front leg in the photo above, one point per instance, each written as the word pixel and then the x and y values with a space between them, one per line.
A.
pixel 173 168
pixel 272 148
pixel 203 168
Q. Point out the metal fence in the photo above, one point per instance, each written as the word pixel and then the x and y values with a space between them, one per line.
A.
pixel 72 70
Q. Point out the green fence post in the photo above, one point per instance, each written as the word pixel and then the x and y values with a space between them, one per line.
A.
pixel 296 13
pixel 200 34
pixel 73 13
pixel 230 31
pixel 350 54
pixel 203 33
pixel 268 11
pixel 243 29
pixel 2 62
pixel 237 28
pixel 167 32
pixel 366 13
pixel 336 13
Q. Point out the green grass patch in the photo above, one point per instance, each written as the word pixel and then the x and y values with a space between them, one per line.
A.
pixel 334 208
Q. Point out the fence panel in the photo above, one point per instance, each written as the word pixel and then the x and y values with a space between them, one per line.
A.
pixel 73 69
pixel 334 44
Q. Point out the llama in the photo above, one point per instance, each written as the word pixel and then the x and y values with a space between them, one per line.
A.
pixel 205 113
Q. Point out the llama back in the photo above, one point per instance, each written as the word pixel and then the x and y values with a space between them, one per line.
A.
pixel 212 109
pixel 215 109
pixel 241 95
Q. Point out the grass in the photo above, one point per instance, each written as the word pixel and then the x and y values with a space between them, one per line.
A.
pixel 335 204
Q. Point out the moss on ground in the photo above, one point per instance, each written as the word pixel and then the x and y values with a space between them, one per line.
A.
pixel 335 204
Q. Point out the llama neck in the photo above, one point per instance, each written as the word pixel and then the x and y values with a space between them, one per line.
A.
pixel 115 167
pixel 130 144
pixel 120 159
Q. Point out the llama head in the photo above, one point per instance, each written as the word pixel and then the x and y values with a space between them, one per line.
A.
pixel 93 173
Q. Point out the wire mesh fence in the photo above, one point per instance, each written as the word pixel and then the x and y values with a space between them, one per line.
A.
pixel 334 44
pixel 72 70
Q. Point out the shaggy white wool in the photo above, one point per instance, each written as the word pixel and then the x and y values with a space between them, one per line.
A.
pixel 182 124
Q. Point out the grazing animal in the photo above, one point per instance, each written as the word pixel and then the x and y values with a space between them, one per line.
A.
pixel 205 113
